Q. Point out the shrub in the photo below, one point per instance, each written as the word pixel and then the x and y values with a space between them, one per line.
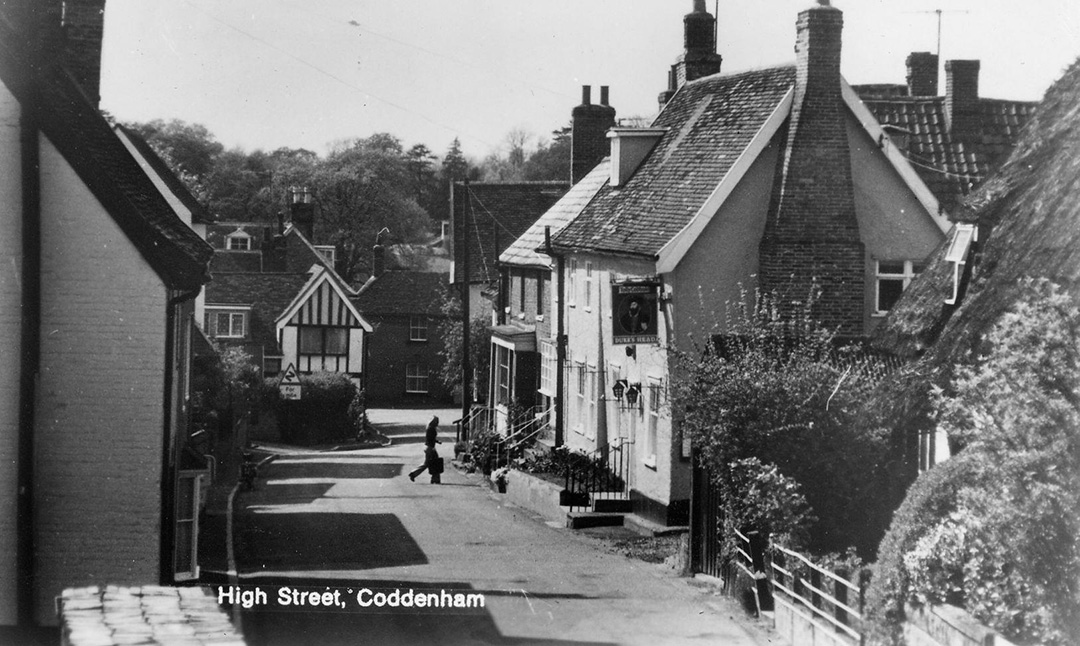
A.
pixel 996 529
pixel 325 412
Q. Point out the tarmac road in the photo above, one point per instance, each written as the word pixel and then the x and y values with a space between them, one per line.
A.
pixel 344 521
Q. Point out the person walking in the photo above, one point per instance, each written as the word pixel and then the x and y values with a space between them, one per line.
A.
pixel 431 438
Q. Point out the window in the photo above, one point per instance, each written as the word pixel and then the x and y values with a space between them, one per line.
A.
pixel 521 290
pixel 418 328
pixel 271 366
pixel 591 420
pixel 965 235
pixel 238 241
pixel 654 421
pixel 324 340
pixel 229 325
pixel 893 277
pixel 539 294
pixel 582 389
pixel 502 374
pixel 185 551
pixel 588 285
pixel 328 252
pixel 416 378
pixel 571 282
pixel 547 368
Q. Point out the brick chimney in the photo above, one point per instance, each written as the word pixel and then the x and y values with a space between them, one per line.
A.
pixel 811 233
pixel 699 57
pixel 922 74
pixel 588 133
pixel 83 27
pixel 961 96
pixel 302 211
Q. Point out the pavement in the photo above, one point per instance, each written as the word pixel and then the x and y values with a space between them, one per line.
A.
pixel 348 520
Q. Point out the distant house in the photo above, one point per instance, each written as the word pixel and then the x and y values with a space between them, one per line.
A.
pixel 774 179
pixel 1022 222
pixel 95 332
pixel 277 296
pixel 404 359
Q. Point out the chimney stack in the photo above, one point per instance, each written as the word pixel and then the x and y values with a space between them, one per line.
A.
pixel 961 95
pixel 83 28
pixel 699 57
pixel 811 241
pixel 922 74
pixel 302 211
pixel 589 124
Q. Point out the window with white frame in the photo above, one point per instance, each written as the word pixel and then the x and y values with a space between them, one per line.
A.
pixel 325 341
pixel 502 374
pixel 416 378
pixel 591 420
pixel 964 236
pixel 186 547
pixel 327 251
pixel 582 389
pixel 418 328
pixel 547 368
pixel 571 282
pixel 893 277
pixel 654 401
pixel 238 241
pixel 588 285
pixel 226 324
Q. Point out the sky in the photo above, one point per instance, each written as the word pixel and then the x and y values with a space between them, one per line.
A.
pixel 262 74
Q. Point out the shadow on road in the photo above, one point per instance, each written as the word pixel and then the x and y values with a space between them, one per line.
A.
pixel 387 625
pixel 351 470
pixel 323 541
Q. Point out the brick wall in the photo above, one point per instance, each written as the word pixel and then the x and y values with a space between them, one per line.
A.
pixel 10 325
pixel 589 124
pixel 812 231
pixel 391 350
pixel 100 398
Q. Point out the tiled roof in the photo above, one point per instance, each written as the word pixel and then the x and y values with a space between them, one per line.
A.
pixel 267 294
pixel 499 214
pixel 199 214
pixel 403 293
pixel 950 165
pixel 522 252
pixel 235 261
pixel 87 142
pixel 711 121
pixel 1029 217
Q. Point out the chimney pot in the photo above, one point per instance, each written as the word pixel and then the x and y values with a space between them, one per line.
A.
pixel 586 95
pixel 603 95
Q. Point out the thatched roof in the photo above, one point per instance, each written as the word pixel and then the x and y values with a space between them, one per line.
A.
pixel 1028 214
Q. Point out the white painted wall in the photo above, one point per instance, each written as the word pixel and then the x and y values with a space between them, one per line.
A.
pixel 100 400
pixel 10 344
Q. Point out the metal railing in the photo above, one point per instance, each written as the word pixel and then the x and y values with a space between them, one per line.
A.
pixel 479 418
pixel 829 597
pixel 526 429
pixel 599 475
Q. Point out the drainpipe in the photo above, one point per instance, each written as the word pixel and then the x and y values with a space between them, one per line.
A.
pixel 169 458
pixel 30 355
pixel 560 336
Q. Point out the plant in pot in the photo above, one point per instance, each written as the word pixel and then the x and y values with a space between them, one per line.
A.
pixel 498 476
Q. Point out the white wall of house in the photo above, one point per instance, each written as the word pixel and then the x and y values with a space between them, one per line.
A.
pixel 99 433
pixel 10 344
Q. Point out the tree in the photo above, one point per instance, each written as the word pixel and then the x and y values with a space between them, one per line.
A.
pixel 361 188
pixel 455 167
pixel 424 183
pixel 550 161
pixel 450 332
pixel 996 529
pixel 189 149
pixel 783 392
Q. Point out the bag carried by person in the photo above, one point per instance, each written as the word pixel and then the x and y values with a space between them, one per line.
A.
pixel 435 466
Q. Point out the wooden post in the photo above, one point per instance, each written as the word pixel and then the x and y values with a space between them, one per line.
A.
pixel 759 544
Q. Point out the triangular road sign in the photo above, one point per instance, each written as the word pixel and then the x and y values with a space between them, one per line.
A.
pixel 290 377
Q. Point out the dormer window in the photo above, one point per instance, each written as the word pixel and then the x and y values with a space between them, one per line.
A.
pixel 893 277
pixel 957 255
pixel 238 241
pixel 327 251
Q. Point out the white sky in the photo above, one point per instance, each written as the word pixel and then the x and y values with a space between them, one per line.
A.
pixel 305 73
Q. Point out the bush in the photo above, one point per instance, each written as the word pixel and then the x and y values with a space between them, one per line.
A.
pixel 325 413
pixel 996 529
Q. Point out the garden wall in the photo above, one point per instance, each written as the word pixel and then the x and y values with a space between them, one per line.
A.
pixel 535 494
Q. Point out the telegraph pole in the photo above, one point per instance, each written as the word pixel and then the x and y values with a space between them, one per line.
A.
pixel 466 358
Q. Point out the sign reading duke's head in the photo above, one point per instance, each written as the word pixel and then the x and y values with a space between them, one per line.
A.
pixel 634 313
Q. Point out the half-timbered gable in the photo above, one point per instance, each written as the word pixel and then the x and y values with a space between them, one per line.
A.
pixel 321 330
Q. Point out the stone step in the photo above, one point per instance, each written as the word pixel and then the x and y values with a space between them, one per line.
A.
pixel 583 519
pixel 612 505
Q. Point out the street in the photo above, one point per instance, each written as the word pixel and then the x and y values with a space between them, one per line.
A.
pixel 338 522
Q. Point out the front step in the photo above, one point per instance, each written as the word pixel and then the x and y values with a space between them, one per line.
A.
pixel 612 505
pixel 583 519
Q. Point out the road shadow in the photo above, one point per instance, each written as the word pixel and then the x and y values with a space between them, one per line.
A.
pixel 323 541
pixel 388 626
pixel 330 469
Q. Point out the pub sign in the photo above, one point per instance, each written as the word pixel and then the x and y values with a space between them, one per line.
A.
pixel 634 313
